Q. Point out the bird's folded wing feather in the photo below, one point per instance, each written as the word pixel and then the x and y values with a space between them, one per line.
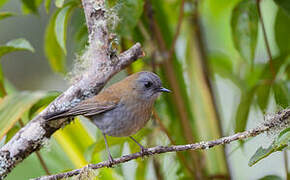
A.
pixel 105 101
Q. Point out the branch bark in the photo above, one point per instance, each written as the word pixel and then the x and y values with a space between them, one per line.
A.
pixel 101 68
pixel 276 120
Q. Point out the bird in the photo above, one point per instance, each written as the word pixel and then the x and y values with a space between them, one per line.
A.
pixel 120 110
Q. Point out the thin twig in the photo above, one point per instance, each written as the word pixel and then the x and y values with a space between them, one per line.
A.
pixel 282 117
pixel 286 164
pixel 177 31
pixel 266 40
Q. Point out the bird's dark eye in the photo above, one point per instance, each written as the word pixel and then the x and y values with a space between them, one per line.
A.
pixel 148 84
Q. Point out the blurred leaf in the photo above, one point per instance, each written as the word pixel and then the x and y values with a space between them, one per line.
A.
pixel 263 93
pixel 74 140
pixel 284 5
pixel 2 2
pixel 61 24
pixel 81 37
pixel 244 24
pixel 278 145
pixel 13 106
pixel 12 132
pixel 15 45
pixel 4 15
pixel 52 49
pixel 2 88
pixel 50 96
pixel 281 94
pixel 271 177
pixel 243 111
pixel 282 26
pixel 47 5
pixel 222 65
pixel 30 5
pixel 129 12
pixel 59 3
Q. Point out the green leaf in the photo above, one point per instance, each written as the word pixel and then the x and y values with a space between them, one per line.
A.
pixel 271 177
pixel 15 45
pixel 243 111
pixel 50 96
pixel 13 106
pixel 244 25
pixel 4 15
pixel 60 27
pixel 282 26
pixel 129 12
pixel 284 5
pixel 281 94
pixel 2 2
pixel 47 5
pixel 263 93
pixel 59 3
pixel 12 132
pixel 29 6
pixel 278 144
pixel 223 66
pixel 52 49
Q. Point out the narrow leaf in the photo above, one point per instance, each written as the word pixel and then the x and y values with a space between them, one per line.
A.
pixel 284 5
pixel 243 111
pixel 47 5
pixel 13 106
pixel 263 92
pixel 52 49
pixel 244 24
pixel 50 96
pixel 4 15
pixel 15 45
pixel 282 26
pixel 281 94
pixel 61 24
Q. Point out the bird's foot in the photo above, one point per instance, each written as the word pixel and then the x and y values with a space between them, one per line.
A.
pixel 111 161
pixel 144 151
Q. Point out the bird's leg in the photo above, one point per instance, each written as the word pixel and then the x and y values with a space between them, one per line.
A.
pixel 111 160
pixel 143 149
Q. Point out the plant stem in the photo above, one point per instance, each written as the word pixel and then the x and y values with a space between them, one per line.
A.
pixel 266 40
pixel 286 164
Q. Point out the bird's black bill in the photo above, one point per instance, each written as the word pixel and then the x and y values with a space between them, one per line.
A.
pixel 164 90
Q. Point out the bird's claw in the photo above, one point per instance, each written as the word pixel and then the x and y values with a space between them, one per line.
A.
pixel 111 161
pixel 144 151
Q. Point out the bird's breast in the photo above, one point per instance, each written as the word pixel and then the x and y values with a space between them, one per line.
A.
pixel 125 119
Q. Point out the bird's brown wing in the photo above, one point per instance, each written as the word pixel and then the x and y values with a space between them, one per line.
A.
pixel 105 101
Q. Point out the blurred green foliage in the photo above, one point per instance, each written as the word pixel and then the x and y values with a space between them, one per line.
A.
pixel 191 45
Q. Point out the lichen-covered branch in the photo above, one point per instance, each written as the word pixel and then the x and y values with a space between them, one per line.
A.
pixel 278 120
pixel 101 67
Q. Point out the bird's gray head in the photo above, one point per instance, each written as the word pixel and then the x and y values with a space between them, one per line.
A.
pixel 149 85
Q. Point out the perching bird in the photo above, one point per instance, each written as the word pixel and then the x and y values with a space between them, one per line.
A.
pixel 121 109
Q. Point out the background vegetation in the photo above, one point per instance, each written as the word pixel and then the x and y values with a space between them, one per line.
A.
pixel 227 63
